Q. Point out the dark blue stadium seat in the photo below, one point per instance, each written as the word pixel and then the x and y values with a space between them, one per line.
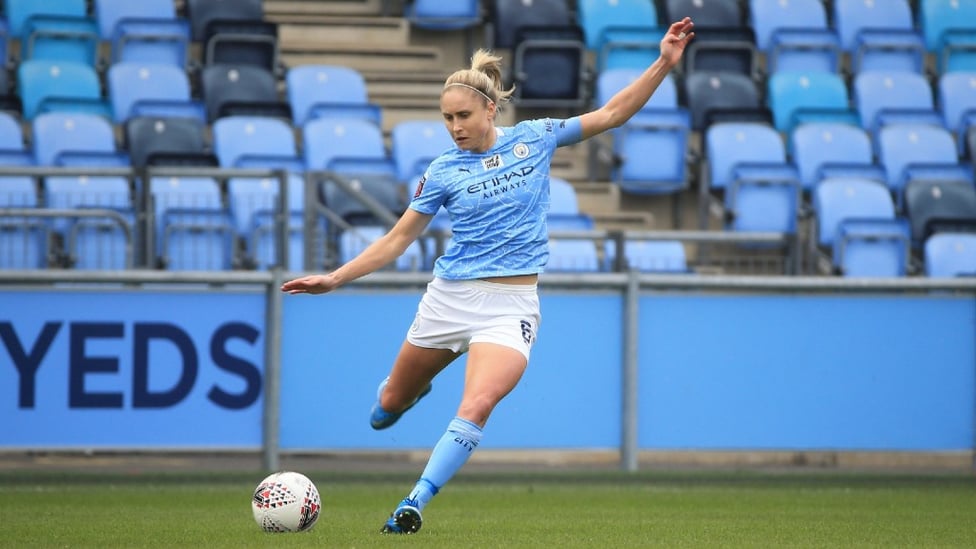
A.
pixel 160 141
pixel 723 40
pixel 549 67
pixel 230 90
pixel 723 96
pixel 934 206
pixel 509 15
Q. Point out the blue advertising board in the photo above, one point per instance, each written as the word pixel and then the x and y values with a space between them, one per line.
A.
pixel 124 369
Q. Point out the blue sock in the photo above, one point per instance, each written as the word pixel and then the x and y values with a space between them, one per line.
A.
pixel 450 453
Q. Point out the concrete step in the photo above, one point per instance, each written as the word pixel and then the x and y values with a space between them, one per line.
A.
pixel 362 57
pixel 296 8
pixel 332 29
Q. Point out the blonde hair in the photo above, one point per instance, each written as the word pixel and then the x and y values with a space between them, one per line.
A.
pixel 484 76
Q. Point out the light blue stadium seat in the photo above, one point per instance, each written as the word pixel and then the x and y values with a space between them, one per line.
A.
pixel 346 145
pixel 661 125
pixel 151 89
pixel 45 86
pixel 13 149
pixel 957 104
pixel 795 35
pixel 949 28
pixel 193 229
pixel 60 38
pixel 748 163
pixel 148 31
pixel 649 256
pixel 879 35
pixel 831 149
pixel 572 255
pixel 621 33
pixel 562 197
pixel 20 12
pixel 102 242
pixel 798 97
pixel 414 144
pixel 23 240
pixel 857 225
pixel 440 15
pixel 252 206
pixel 912 151
pixel 354 240
pixel 256 142
pixel 950 255
pixel 329 91
pixel 885 97
pixel 73 139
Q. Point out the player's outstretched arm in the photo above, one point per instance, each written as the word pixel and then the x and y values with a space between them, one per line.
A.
pixel 625 103
pixel 377 255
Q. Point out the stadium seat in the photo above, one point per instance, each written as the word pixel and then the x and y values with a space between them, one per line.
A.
pixel 934 206
pixel 382 188
pixel 162 90
pixel 440 15
pixel 912 151
pixel 23 240
pixel 242 43
pixel 46 86
pixel 100 242
pixel 882 97
pixel 13 147
pixel 950 255
pixel 193 231
pixel 879 36
pixel 723 41
pixel 148 31
pixel 562 197
pixel 355 239
pixel 957 104
pixel 416 143
pixel 256 142
pixel 61 139
pixel 252 206
pixel 60 38
pixel 649 256
pixel 329 90
pixel 795 35
pixel 509 15
pixel 723 96
pixel 348 145
pixel 857 225
pixel 572 255
pixel 620 33
pixel 158 141
pixel 661 125
pixel 549 67
pixel 205 14
pixel 747 162
pixel 20 12
pixel 798 97
pixel 949 28
pixel 831 149
pixel 241 90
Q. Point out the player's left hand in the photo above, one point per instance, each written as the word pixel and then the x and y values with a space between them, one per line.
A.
pixel 674 41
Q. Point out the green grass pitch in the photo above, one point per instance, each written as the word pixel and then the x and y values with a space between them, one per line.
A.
pixel 555 510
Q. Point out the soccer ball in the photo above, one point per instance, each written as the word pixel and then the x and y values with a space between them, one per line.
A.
pixel 286 502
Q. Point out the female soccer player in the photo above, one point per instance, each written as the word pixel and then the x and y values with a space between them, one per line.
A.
pixel 482 300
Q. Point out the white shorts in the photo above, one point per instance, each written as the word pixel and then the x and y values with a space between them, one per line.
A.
pixel 453 314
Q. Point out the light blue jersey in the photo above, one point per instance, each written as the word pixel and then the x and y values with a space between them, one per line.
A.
pixel 497 200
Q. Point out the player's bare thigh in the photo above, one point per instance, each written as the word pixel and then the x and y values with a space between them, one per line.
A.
pixel 492 372
pixel 413 369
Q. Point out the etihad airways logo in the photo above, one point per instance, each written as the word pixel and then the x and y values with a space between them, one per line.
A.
pixel 501 183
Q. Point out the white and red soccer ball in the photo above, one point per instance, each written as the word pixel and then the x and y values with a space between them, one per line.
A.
pixel 286 502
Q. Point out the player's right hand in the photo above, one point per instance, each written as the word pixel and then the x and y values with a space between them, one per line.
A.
pixel 312 284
